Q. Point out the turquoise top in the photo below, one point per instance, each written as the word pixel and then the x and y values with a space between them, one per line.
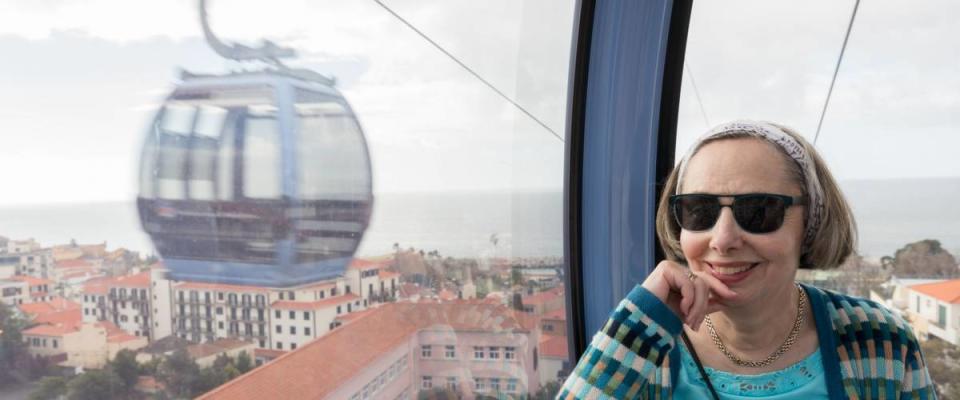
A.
pixel 803 380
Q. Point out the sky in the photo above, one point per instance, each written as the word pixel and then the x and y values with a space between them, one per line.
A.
pixel 81 80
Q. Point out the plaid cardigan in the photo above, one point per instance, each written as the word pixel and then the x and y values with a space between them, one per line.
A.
pixel 868 353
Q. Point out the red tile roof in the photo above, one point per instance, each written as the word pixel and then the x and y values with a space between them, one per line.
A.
pixel 314 305
pixel 31 280
pixel 140 280
pixel 385 275
pixel 222 287
pixel 554 347
pixel 61 317
pixel 50 330
pixel 362 264
pixel 544 297
pixel 948 291
pixel 296 375
pixel 560 314
pixel 55 304
pixel 446 295
pixel 98 286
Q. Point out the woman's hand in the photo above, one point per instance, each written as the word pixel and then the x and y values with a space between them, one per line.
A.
pixel 690 295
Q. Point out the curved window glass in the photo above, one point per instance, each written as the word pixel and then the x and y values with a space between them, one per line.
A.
pixel 887 134
pixel 375 204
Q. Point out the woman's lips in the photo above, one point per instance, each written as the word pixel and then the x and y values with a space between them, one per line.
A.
pixel 731 272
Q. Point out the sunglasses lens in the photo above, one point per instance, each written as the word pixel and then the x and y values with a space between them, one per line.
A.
pixel 696 213
pixel 759 214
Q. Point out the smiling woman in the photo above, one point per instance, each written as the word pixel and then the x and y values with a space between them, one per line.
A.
pixel 749 204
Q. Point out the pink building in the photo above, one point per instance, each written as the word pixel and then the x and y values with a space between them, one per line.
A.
pixel 398 349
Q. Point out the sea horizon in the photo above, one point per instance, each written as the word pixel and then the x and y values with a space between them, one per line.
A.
pixel 526 223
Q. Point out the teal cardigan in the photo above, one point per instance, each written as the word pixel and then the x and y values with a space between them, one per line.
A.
pixel 867 352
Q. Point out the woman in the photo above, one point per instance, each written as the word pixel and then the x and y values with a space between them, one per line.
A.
pixel 748 205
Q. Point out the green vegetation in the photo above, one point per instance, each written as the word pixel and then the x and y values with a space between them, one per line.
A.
pixel 943 362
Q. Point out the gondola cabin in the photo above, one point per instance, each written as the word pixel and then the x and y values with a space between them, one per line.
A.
pixel 258 178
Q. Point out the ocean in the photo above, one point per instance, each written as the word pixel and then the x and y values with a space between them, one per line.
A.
pixel 889 213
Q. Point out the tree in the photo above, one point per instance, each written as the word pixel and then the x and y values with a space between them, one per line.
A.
pixel 49 387
pixel 95 385
pixel 548 391
pixel 244 362
pixel 438 394
pixel 209 379
pixel 222 361
pixel 125 365
pixel 924 259
pixel 179 373
pixel 516 276
pixel 150 367
pixel 16 364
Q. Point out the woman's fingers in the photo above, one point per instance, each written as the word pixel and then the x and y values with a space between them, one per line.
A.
pixel 699 308
pixel 692 299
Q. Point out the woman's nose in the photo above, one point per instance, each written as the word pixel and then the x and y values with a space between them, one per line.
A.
pixel 727 234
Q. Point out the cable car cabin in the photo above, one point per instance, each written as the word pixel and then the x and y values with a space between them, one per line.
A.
pixel 256 179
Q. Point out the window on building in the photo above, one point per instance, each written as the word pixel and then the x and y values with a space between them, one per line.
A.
pixel 512 385
pixel 509 353
pixel 495 384
pixel 55 344
pixel 277 314
pixel 494 352
pixel 220 296
pixel 479 384
pixel 293 330
pixel 306 315
pixel 293 315
pixel 279 329
pixel 450 351
pixel 306 331
pixel 426 382
pixel 279 345
pixel 452 382
pixel 426 351
pixel 478 353
pixel 293 346
pixel 338 310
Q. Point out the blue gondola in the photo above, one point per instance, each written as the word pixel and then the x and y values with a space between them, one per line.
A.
pixel 256 178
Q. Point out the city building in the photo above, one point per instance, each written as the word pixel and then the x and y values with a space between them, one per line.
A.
pixel 80 345
pixel 57 310
pixel 13 292
pixel 398 349
pixel 126 301
pixel 278 318
pixel 934 310
pixel 38 289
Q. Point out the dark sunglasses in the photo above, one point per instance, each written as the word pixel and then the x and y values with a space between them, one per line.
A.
pixel 754 212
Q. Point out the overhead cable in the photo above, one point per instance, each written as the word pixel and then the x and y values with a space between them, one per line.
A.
pixel 470 70
pixel 836 69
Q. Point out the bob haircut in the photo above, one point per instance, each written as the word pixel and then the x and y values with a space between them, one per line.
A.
pixel 833 242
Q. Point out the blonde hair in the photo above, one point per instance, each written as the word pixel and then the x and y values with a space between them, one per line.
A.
pixel 835 239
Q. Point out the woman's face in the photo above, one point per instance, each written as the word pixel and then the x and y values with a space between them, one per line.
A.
pixel 740 166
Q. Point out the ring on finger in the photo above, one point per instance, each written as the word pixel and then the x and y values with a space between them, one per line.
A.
pixel 691 276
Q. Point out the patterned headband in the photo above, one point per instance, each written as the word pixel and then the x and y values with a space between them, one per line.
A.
pixel 791 147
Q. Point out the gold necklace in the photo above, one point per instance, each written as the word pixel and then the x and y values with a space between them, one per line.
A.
pixel 791 338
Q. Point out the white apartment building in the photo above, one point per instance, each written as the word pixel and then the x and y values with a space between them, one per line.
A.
pixel 13 292
pixel 128 302
pixel 934 309
pixel 277 318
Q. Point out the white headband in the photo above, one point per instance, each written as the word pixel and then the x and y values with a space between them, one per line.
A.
pixel 790 146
